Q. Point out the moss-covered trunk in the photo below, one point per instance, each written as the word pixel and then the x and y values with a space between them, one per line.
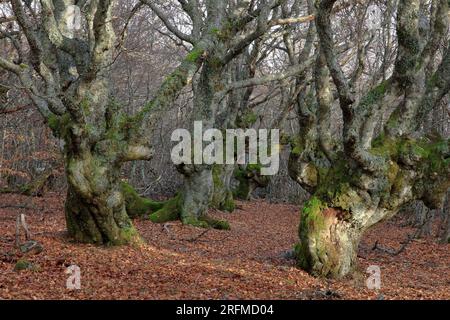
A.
pixel 347 200
pixel 95 205
pixel 191 204
pixel 249 179
pixel 222 198
pixel 328 243
pixel 196 194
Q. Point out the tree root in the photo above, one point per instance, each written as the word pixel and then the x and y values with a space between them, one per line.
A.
pixel 171 211
pixel 215 223
pixel 136 205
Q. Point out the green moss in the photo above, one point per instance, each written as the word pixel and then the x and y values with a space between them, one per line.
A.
pixel 250 119
pixel 315 252
pixel 129 235
pixel 428 156
pixel 194 55
pixel 254 167
pixel 215 224
pixel 375 95
pixel 297 151
pixel 393 172
pixel 59 124
pixel 222 198
pixel 433 80
pixel 297 146
pixel 303 256
pixel 242 191
pixel 285 139
pixel 226 32
pixel 169 89
pixel 23 264
pixel 192 221
pixel 90 128
pixel 386 147
pixel 312 217
pixel 336 180
pixel 424 152
pixel 297 249
pixel 53 122
pixel 170 211
pixel 435 153
pixel 229 204
pixel 312 222
pixel 136 205
pixel 86 106
pixel 216 174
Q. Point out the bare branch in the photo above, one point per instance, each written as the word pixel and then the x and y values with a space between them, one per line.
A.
pixel 165 19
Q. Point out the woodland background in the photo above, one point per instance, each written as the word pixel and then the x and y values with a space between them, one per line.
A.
pixel 32 181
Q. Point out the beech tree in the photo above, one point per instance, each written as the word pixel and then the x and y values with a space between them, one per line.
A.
pixel 365 177
pixel 220 38
pixel 65 71
pixel 61 53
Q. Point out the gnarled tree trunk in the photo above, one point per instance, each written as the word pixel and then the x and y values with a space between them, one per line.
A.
pixel 365 179
pixel 347 200
pixel 67 76
pixel 196 194
pixel 222 198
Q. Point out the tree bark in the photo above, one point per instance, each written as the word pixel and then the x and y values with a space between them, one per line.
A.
pixel 196 194
pixel 347 200
pixel 95 206
pixel 222 198
pixel 328 243
pixel 363 179
pixel 249 179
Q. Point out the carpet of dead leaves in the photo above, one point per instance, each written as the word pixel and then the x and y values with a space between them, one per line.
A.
pixel 178 262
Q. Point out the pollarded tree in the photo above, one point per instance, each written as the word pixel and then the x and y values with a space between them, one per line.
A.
pixel 292 49
pixel 366 177
pixel 220 31
pixel 64 69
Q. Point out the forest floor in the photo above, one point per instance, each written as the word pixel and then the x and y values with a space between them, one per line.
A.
pixel 248 262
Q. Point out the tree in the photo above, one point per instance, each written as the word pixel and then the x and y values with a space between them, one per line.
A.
pixel 65 69
pixel 221 39
pixel 365 177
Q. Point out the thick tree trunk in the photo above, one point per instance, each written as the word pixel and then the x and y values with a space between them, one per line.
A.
pixel 196 194
pixel 249 179
pixel 95 205
pixel 194 199
pixel 348 200
pixel 191 204
pixel 328 243
pixel 222 198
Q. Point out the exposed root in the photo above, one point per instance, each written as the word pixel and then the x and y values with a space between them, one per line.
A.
pixel 136 205
pixel 170 211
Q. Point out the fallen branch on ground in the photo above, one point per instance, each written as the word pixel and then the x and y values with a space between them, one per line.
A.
pixel 192 239
pixel 393 252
